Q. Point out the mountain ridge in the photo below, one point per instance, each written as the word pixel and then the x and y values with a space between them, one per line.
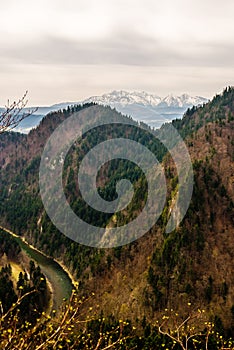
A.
pixel 123 97
pixel 140 105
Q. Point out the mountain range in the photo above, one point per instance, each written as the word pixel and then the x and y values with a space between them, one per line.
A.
pixel 151 109
pixel 124 98
pixel 141 106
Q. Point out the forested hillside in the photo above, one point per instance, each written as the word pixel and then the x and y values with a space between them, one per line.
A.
pixel 191 265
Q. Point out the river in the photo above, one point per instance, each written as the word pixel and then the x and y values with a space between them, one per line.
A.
pixel 58 278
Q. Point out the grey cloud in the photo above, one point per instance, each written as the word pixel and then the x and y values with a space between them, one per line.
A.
pixel 124 49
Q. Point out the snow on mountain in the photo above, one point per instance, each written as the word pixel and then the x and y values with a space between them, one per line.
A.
pixel 126 98
pixel 141 106
pixel 182 101
pixel 151 109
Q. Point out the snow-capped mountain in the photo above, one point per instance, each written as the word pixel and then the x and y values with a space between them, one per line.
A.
pixel 141 106
pixel 182 101
pixel 149 108
pixel 126 98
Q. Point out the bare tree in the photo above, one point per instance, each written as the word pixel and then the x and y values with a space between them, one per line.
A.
pixel 66 330
pixel 14 113
pixel 187 331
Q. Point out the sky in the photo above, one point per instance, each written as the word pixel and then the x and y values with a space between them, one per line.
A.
pixel 69 50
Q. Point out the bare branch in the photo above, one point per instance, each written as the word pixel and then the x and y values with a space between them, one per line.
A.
pixel 14 114
pixel 184 331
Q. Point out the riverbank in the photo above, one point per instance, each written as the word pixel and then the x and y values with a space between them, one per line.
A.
pixel 60 263
pixel 74 282
pixel 60 281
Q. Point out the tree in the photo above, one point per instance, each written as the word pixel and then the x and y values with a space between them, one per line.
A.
pixel 68 330
pixel 195 331
pixel 14 113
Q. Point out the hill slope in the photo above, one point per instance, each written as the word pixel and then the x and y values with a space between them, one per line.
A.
pixel 194 263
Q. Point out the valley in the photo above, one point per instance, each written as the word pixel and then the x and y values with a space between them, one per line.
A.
pixel 187 269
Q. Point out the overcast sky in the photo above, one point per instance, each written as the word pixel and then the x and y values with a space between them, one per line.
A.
pixel 67 50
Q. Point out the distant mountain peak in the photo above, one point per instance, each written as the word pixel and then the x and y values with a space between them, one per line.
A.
pixel 182 101
pixel 123 98
pixel 140 105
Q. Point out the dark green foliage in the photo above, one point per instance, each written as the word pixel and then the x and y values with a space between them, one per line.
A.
pixel 219 325
pixel 35 303
pixel 7 293
pixel 224 290
pixel 8 246
pixel 209 289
